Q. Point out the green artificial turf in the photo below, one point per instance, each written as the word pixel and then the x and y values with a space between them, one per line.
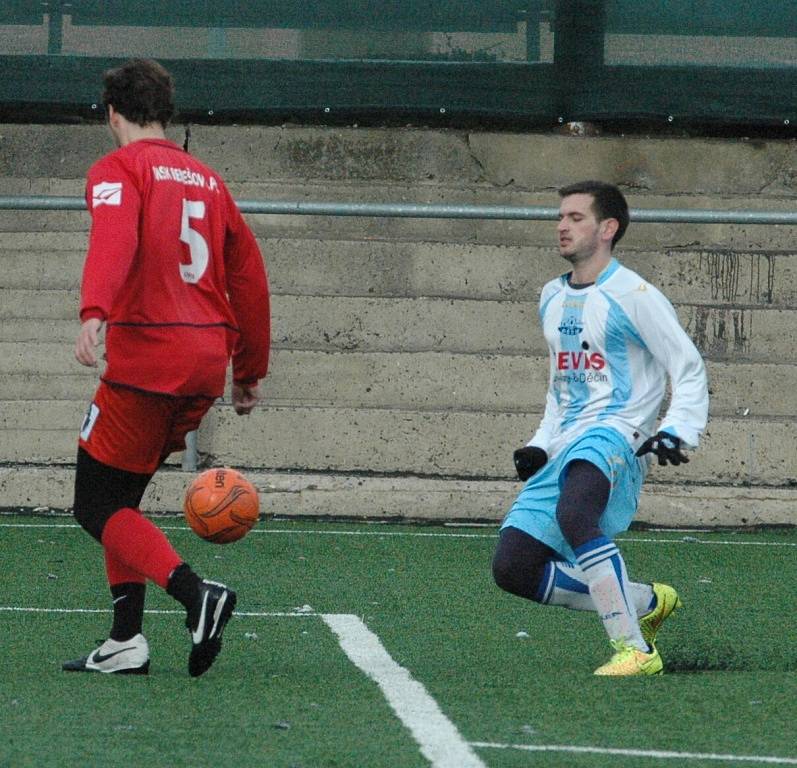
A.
pixel 283 693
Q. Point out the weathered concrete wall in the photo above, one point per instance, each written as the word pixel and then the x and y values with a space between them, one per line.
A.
pixel 729 168
pixel 407 361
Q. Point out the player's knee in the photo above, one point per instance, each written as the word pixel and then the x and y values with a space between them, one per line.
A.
pixel 519 563
pixel 90 520
pixel 511 574
pixel 102 490
pixel 502 572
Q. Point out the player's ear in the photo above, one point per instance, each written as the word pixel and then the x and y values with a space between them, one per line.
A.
pixel 608 229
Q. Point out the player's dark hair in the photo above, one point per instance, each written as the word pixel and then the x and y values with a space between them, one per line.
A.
pixel 141 90
pixel 607 203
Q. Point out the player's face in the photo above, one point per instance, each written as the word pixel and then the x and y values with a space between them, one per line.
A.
pixel 579 229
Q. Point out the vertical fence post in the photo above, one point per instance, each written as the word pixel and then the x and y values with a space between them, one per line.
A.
pixel 579 31
pixel 190 453
pixel 55 26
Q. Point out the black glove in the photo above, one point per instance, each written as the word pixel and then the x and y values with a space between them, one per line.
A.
pixel 528 460
pixel 666 446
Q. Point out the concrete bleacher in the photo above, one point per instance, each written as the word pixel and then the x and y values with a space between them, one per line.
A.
pixel 407 361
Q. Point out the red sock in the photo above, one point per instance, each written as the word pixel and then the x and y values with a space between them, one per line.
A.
pixel 119 573
pixel 140 545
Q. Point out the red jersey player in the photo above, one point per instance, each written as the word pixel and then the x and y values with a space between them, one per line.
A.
pixel 175 275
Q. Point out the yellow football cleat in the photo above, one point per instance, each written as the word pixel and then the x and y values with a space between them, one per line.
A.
pixel 628 661
pixel 667 601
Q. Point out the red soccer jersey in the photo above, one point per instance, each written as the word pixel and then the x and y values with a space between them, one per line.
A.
pixel 175 271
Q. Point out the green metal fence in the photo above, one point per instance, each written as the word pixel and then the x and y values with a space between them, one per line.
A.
pixel 729 61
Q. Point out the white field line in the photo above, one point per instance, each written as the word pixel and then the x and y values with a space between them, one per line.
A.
pixel 652 753
pixel 155 611
pixel 438 738
pixel 690 540
pixel 440 741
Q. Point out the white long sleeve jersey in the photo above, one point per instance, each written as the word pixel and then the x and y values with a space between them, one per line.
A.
pixel 613 345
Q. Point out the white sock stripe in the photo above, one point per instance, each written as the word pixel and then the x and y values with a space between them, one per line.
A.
pixel 597 556
pixel 550 568
pixel 597 550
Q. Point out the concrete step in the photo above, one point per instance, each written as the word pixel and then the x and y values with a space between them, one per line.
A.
pixel 382 325
pixel 78 385
pixel 736 450
pixel 50 489
pixel 330 323
pixel 414 381
pixel 468 444
pixel 452 270
pixel 640 236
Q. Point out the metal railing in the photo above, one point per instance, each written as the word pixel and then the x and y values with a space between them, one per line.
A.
pixel 420 211
pixel 435 211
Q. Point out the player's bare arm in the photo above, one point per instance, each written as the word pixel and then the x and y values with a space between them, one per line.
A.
pixel 87 342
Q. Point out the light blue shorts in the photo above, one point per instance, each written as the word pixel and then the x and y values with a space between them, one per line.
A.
pixel 534 510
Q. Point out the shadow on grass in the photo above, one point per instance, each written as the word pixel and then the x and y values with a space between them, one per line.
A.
pixel 730 659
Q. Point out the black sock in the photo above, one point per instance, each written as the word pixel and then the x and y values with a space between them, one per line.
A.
pixel 183 585
pixel 128 609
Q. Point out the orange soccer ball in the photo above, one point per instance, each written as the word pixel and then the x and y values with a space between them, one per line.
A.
pixel 221 505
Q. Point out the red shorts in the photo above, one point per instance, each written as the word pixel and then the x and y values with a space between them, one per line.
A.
pixel 136 431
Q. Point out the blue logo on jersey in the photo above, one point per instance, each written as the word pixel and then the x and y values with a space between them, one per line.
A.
pixel 571 327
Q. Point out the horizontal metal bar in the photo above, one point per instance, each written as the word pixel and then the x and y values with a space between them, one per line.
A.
pixel 708 216
pixel 399 210
pixel 430 211
pixel 41 203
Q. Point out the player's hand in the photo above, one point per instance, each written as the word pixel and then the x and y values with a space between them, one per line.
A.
pixel 528 460
pixel 666 446
pixel 244 398
pixel 87 342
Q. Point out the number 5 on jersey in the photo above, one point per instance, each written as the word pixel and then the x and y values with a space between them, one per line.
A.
pixel 197 246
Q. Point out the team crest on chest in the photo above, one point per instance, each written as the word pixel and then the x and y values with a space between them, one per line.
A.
pixel 571 327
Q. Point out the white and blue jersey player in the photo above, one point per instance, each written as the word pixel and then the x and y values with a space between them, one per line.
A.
pixel 615 342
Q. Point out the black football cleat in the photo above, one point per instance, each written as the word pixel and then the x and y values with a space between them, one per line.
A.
pixel 125 657
pixel 206 621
